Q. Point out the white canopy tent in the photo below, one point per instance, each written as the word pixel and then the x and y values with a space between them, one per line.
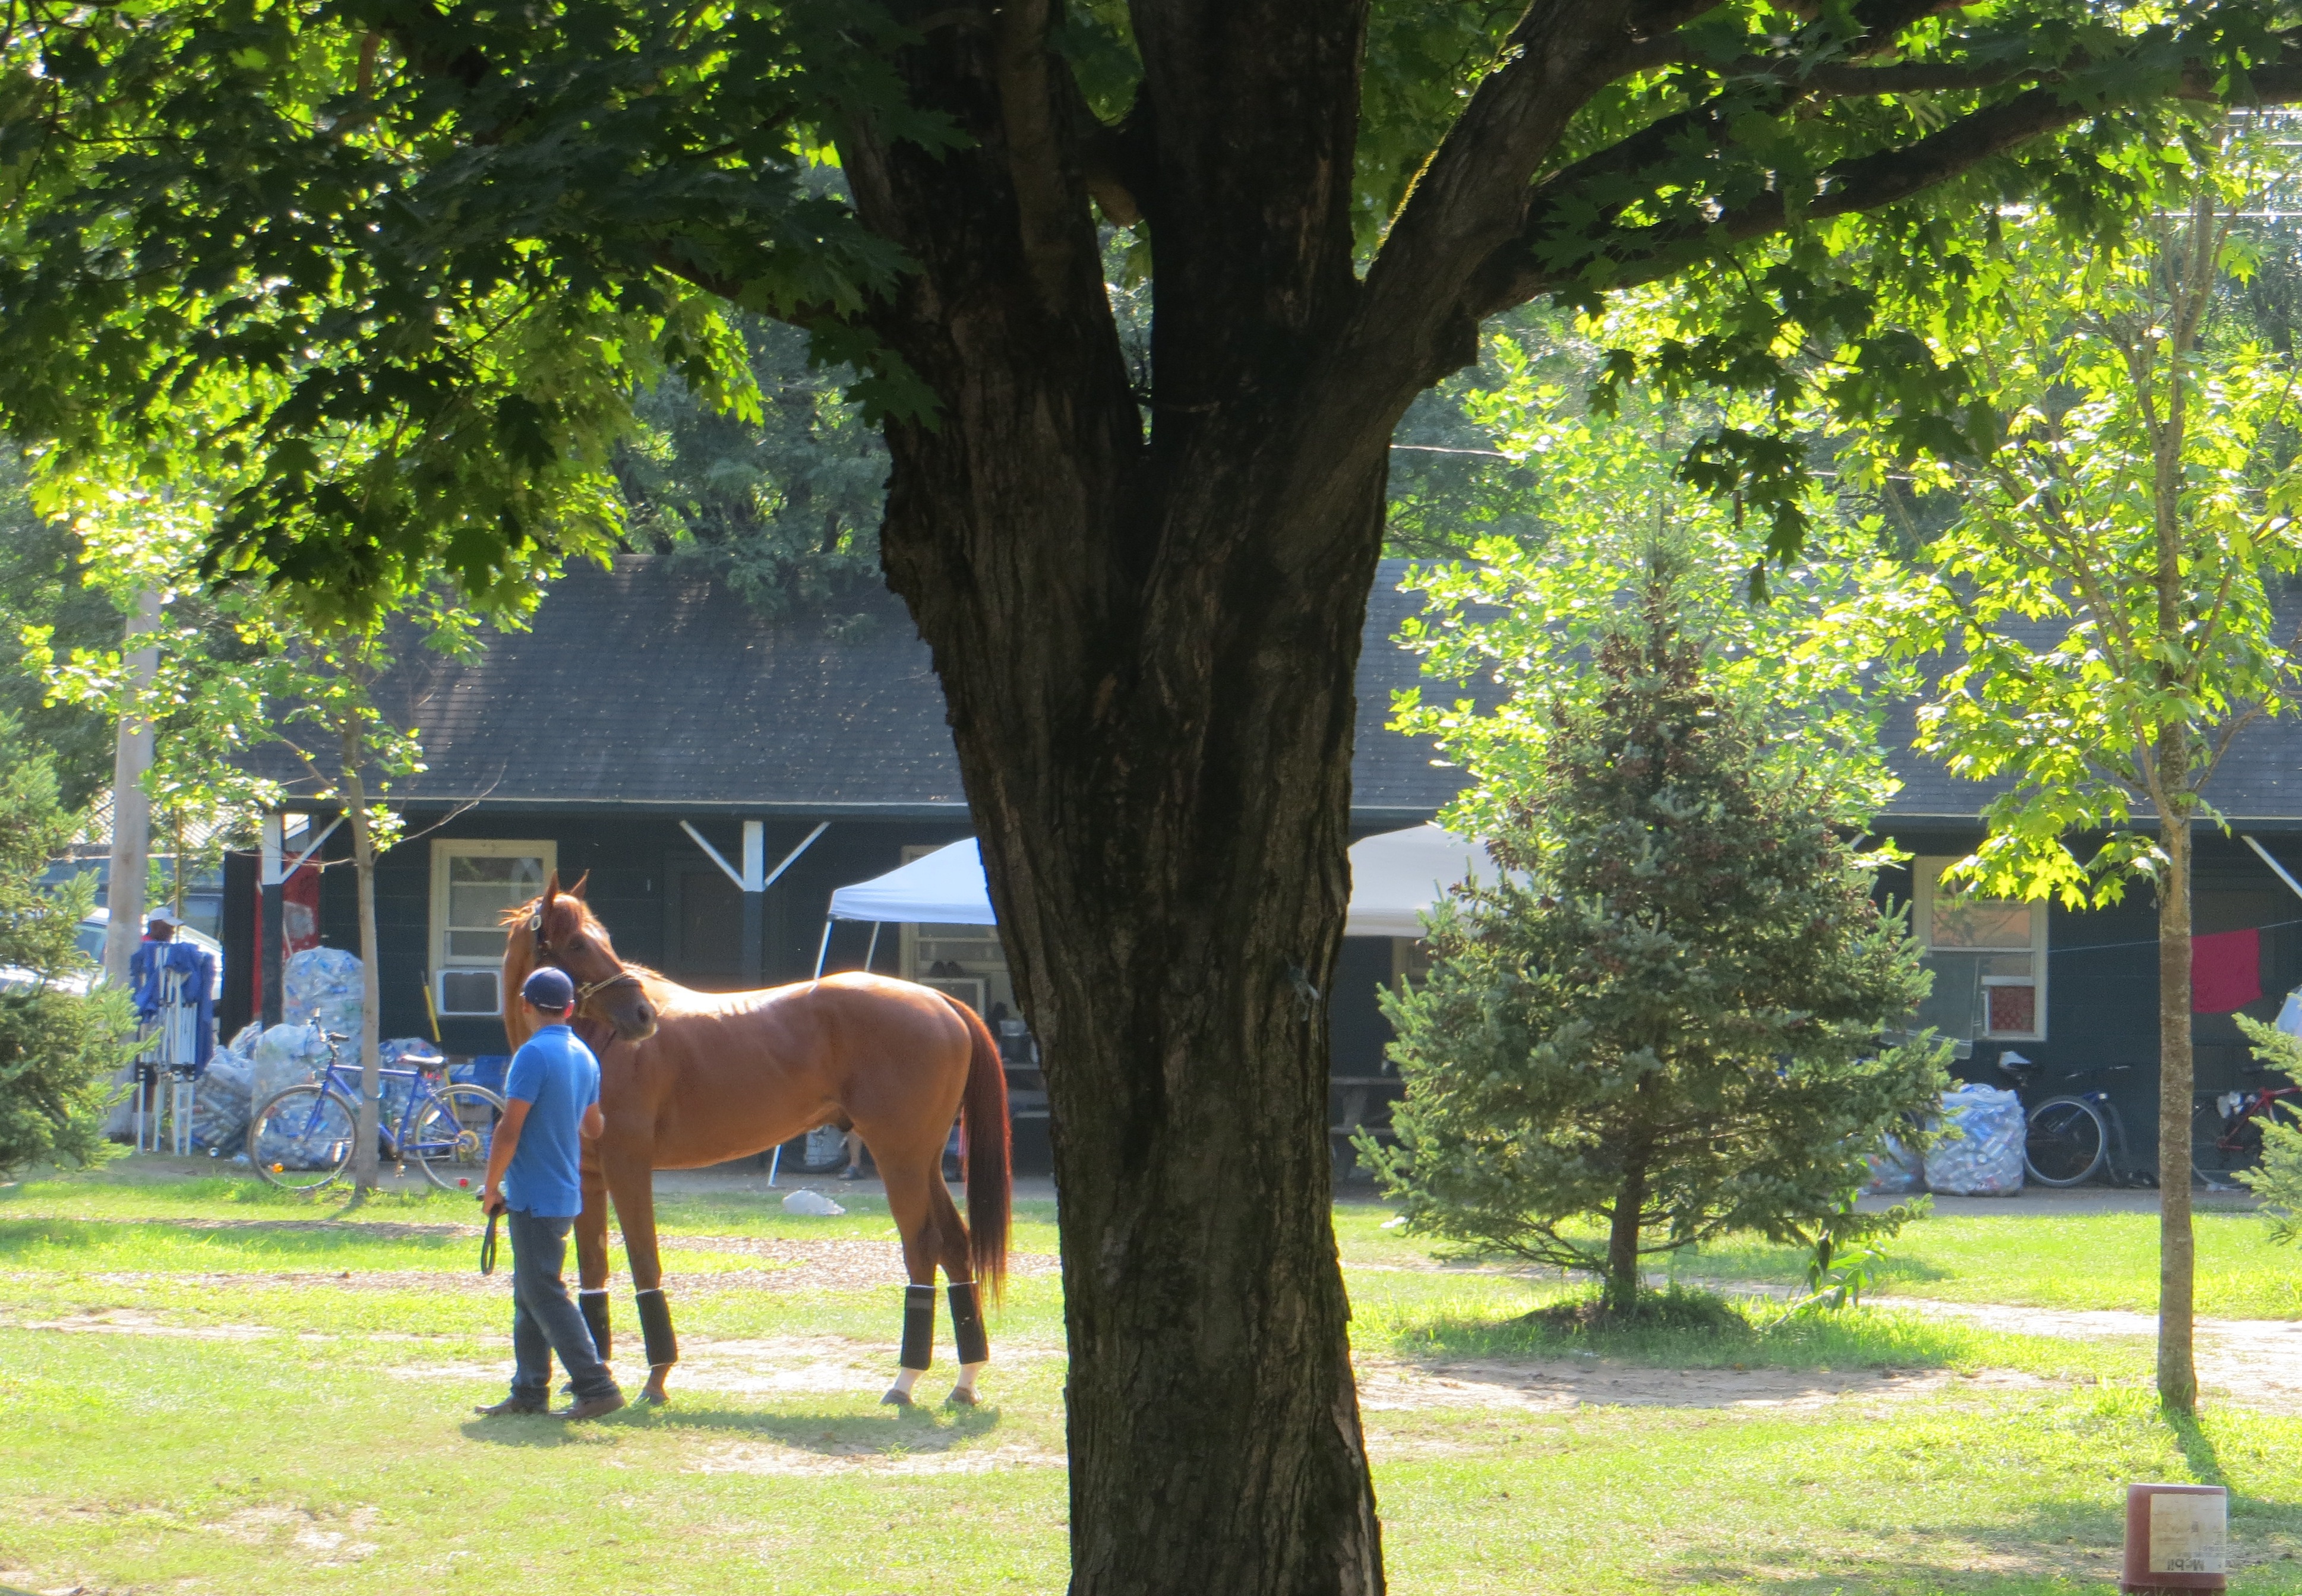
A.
pixel 1395 876
pixel 943 888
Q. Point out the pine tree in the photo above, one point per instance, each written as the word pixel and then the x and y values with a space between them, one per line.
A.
pixel 58 1044
pixel 1669 1017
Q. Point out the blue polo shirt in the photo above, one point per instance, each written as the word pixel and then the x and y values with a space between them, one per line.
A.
pixel 556 1075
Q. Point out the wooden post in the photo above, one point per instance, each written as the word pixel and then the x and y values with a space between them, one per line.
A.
pixel 755 899
pixel 271 929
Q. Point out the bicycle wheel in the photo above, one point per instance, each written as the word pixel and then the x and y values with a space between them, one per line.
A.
pixel 453 1130
pixel 2066 1143
pixel 301 1138
pixel 2219 1145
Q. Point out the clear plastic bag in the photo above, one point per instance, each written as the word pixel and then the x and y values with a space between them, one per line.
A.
pixel 1980 1154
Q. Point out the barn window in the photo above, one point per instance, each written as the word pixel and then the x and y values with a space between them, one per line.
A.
pixel 473 881
pixel 1988 956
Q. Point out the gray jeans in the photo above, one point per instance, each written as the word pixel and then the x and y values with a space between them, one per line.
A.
pixel 544 1318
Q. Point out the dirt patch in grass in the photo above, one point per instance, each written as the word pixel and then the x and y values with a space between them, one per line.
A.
pixel 134 1321
pixel 2251 1363
pixel 305 1535
pixel 1560 1384
pixel 768 1458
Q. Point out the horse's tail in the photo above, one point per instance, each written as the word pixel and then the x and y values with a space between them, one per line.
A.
pixel 990 1177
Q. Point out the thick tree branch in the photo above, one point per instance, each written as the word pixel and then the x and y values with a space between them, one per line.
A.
pixel 1471 195
pixel 1532 265
pixel 1031 116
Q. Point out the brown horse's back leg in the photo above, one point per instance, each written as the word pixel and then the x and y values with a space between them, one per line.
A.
pixel 632 1183
pixel 974 1342
pixel 592 1253
pixel 932 1235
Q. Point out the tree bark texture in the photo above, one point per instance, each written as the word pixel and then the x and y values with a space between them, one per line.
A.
pixel 1148 646
pixel 2178 1379
pixel 371 1107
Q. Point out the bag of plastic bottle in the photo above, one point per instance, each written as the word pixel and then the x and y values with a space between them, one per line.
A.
pixel 1980 1154
pixel 1894 1171
pixel 222 1099
pixel 322 987
pixel 288 1055
pixel 826 1149
pixel 400 1052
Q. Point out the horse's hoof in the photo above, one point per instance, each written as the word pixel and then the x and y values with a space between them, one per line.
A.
pixel 651 1398
pixel 895 1399
pixel 962 1399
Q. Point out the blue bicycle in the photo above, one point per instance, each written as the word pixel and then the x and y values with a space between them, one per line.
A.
pixel 301 1138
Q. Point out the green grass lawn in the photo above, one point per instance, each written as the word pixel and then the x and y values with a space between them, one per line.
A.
pixel 2065 1261
pixel 281 1407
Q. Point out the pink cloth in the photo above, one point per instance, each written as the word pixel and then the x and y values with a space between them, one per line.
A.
pixel 2225 971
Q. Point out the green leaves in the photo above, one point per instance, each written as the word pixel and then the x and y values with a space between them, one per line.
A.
pixel 2100 615
pixel 1608 495
pixel 393 275
pixel 57 1046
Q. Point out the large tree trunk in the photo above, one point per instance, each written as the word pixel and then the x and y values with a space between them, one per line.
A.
pixel 1148 646
pixel 1163 815
pixel 2178 1379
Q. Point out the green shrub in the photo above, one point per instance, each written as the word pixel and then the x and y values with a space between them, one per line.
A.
pixel 57 1046
pixel 1671 1021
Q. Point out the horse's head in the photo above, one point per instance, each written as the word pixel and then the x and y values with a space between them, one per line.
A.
pixel 561 929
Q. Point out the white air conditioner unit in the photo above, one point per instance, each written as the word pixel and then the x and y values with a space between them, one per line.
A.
pixel 463 992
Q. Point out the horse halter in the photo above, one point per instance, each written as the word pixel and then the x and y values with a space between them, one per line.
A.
pixel 587 990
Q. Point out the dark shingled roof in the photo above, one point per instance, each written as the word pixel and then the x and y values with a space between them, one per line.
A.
pixel 649 685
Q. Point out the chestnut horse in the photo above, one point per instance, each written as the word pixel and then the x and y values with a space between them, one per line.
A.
pixel 689 1079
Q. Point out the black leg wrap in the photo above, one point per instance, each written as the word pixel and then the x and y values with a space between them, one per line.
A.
pixel 655 1327
pixel 594 1305
pixel 967 1323
pixel 919 1327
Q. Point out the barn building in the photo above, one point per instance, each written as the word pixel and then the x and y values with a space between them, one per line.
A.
pixel 718 775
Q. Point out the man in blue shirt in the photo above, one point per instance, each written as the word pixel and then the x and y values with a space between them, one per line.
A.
pixel 552 1106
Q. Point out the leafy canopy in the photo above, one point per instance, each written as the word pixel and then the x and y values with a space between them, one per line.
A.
pixel 2107 608
pixel 395 271
pixel 1602 493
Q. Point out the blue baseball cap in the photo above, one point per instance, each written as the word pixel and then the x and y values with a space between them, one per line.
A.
pixel 548 989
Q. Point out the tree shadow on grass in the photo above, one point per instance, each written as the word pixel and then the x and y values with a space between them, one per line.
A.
pixel 2046 1551
pixel 890 1432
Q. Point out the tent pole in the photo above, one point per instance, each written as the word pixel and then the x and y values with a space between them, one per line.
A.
pixel 823 947
pixel 873 948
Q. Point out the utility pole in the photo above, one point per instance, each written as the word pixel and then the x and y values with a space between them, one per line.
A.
pixel 131 806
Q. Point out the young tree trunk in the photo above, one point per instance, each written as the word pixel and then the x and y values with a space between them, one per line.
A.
pixel 2178 1379
pixel 1623 1280
pixel 370 1107
pixel 131 806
